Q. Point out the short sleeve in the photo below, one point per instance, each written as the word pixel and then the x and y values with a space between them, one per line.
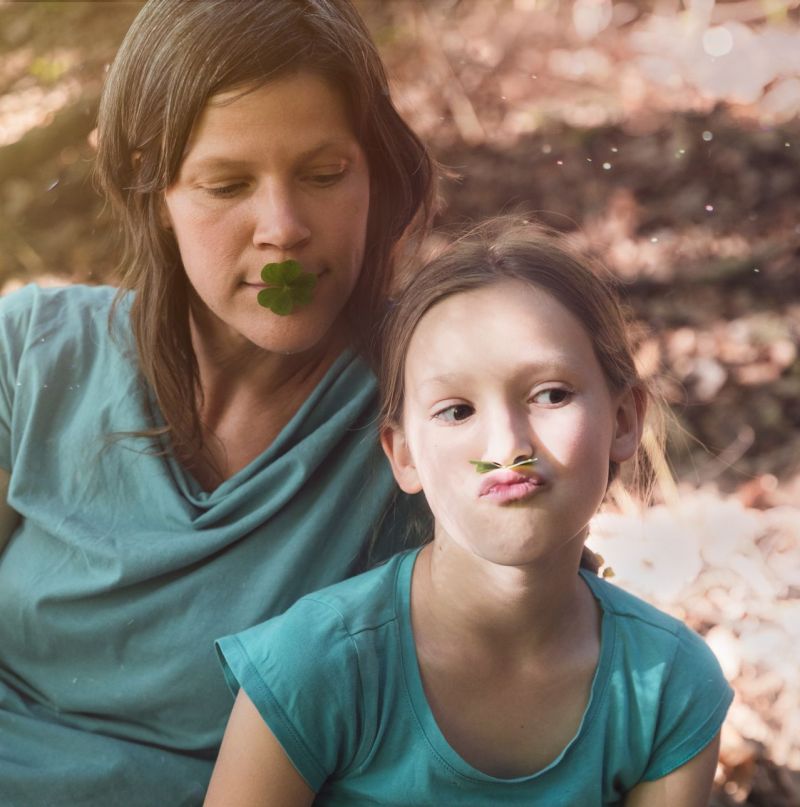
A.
pixel 15 312
pixel 694 702
pixel 301 672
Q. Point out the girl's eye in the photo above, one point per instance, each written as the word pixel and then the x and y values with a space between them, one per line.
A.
pixel 554 396
pixel 455 413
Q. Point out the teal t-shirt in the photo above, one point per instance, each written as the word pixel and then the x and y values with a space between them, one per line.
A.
pixel 124 571
pixel 337 681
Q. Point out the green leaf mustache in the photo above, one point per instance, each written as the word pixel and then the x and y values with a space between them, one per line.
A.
pixel 484 467
pixel 288 287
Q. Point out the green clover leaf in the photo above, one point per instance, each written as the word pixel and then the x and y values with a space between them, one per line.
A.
pixel 484 467
pixel 289 287
pixel 522 464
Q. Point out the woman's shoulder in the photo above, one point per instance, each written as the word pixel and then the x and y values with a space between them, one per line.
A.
pixel 59 309
pixel 70 294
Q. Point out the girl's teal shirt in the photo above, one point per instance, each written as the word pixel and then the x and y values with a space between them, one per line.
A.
pixel 337 681
pixel 123 570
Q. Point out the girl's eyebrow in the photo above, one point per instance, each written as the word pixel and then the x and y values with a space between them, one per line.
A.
pixel 557 363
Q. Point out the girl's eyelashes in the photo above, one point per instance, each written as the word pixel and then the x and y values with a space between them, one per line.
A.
pixel 553 396
pixel 455 413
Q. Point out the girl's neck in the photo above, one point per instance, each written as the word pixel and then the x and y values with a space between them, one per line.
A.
pixel 506 656
pixel 512 613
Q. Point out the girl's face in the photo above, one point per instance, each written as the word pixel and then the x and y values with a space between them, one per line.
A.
pixel 498 374
pixel 270 175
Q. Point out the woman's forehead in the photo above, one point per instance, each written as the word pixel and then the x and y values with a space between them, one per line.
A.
pixel 301 112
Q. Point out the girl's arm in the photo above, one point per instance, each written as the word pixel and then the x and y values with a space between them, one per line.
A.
pixel 8 517
pixel 252 768
pixel 687 786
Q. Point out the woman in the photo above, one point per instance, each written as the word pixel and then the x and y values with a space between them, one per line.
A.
pixel 180 461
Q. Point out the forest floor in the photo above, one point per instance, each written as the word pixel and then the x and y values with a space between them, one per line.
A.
pixel 675 161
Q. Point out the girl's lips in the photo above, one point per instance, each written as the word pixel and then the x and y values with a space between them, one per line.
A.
pixel 509 486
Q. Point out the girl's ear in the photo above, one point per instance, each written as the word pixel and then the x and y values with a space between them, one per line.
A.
pixel 629 423
pixel 393 441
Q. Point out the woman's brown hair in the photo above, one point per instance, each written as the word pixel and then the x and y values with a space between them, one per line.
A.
pixel 175 57
pixel 503 249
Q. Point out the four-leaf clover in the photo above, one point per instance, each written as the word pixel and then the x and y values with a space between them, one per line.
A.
pixel 289 287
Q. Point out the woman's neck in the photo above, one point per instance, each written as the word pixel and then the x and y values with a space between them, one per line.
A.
pixel 248 395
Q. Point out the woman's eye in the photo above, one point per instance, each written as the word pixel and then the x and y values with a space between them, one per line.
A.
pixel 455 413
pixel 225 191
pixel 324 179
pixel 554 396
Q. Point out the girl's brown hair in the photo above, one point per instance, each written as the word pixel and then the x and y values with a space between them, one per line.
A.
pixel 508 249
pixel 175 57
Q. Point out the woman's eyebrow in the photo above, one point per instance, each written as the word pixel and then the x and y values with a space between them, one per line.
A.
pixel 221 161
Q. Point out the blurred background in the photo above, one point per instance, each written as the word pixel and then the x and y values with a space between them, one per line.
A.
pixel 665 135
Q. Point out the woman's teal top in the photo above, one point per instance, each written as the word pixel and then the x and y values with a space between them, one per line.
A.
pixel 124 570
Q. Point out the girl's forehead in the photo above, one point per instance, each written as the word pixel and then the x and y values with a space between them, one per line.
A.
pixel 508 324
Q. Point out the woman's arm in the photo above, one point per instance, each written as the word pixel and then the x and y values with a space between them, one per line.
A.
pixel 8 518
pixel 687 786
pixel 252 768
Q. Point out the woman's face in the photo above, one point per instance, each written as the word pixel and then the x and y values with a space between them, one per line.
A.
pixel 498 374
pixel 273 174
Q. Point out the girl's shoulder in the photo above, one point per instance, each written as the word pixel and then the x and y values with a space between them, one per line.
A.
pixel 318 672
pixel 626 606
pixel 659 686
pixel 362 603
pixel 645 638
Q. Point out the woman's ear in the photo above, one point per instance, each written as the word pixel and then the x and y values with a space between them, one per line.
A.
pixel 163 214
pixel 628 424
pixel 393 441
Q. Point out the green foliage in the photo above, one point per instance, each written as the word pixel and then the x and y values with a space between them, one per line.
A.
pixel 484 467
pixel 289 287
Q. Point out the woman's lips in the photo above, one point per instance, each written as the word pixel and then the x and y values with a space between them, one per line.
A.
pixel 260 284
pixel 509 486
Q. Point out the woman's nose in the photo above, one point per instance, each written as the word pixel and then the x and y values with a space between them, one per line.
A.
pixel 510 438
pixel 279 220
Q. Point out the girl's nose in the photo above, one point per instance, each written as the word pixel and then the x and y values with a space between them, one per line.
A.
pixel 279 221
pixel 510 438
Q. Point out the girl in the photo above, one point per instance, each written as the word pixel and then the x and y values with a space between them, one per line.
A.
pixel 171 463
pixel 485 669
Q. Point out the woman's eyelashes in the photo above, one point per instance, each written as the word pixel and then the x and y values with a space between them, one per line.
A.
pixel 324 177
pixel 225 191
